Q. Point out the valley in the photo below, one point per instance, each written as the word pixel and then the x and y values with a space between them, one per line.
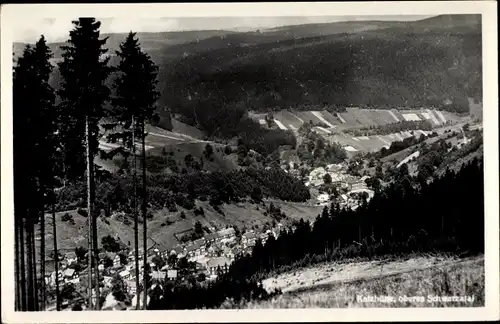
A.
pixel 294 166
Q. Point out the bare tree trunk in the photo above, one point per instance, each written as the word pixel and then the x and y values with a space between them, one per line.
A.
pixel 23 264
pixel 17 261
pixel 136 216
pixel 95 244
pixel 89 211
pixel 42 259
pixel 29 258
pixel 33 256
pixel 144 215
pixel 56 253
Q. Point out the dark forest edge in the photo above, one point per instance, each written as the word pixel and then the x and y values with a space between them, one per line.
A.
pixel 441 217
pixel 114 192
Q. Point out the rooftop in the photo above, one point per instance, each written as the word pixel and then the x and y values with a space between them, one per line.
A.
pixel 216 262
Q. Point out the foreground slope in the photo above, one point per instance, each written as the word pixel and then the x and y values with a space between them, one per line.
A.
pixel 340 285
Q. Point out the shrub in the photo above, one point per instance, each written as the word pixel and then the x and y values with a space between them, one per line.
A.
pixel 67 218
pixel 82 212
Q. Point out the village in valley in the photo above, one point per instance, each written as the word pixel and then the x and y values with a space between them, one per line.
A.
pixel 240 161
pixel 203 259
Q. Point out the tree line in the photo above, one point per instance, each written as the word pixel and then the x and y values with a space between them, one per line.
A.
pixel 404 125
pixel 115 192
pixel 56 141
pixel 446 215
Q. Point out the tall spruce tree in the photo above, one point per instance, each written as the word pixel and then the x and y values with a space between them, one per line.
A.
pixel 34 127
pixel 84 71
pixel 134 104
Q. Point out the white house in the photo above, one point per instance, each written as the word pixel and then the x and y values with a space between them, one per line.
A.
pixel 117 262
pixel 125 274
pixel 70 258
pixel 323 198
pixel 60 277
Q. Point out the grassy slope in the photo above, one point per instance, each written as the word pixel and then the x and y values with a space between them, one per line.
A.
pixel 337 285
pixel 243 214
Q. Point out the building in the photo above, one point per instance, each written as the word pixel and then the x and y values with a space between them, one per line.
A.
pixel 172 274
pixel 70 258
pixel 323 198
pixel 131 287
pixel 214 251
pixel 248 239
pixel 226 233
pixel 158 275
pixel 178 250
pixel 102 256
pixel 107 281
pixel 117 263
pixel 195 249
pixel 60 277
pixel 70 275
pixel 125 274
pixel 357 185
pixel 211 238
pixel 218 264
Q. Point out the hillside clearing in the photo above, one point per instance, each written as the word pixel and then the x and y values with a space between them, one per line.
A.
pixel 419 277
pixel 164 224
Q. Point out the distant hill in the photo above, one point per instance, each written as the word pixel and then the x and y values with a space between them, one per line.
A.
pixel 150 42
pixel 423 63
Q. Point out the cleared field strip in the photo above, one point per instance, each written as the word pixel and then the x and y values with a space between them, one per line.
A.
pixel 452 117
pixel 298 118
pixel 287 118
pixel 411 117
pixel 341 118
pixel 374 144
pixel 350 148
pixel 111 146
pixel 398 136
pixel 349 119
pixel 167 136
pixel 324 130
pixel 440 115
pixel 408 158
pixel 378 117
pixel 307 117
pixel 280 125
pixel 432 117
pixel 346 140
pixel 393 115
pixel 362 116
pixel 383 140
pixel 331 118
pixel 364 138
pixel 321 118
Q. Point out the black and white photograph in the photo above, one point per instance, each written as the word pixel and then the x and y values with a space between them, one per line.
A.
pixel 237 161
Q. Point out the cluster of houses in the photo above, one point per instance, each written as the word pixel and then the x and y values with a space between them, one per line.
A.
pixel 349 185
pixel 212 255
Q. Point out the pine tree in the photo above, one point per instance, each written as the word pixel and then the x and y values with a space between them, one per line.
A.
pixel 84 71
pixel 47 143
pixel 34 127
pixel 135 100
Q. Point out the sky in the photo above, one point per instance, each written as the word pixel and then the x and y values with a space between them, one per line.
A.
pixel 56 30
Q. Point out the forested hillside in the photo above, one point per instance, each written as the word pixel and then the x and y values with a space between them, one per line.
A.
pixel 445 216
pixel 423 63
